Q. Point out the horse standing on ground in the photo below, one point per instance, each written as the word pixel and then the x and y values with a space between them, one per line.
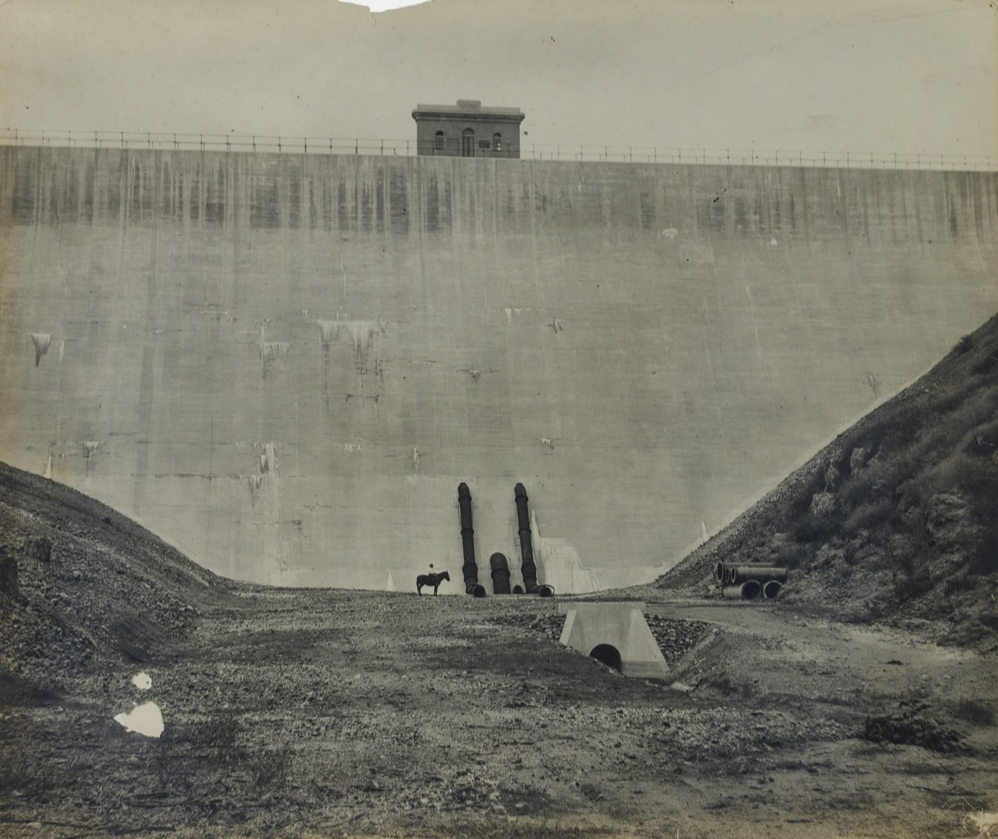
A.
pixel 431 580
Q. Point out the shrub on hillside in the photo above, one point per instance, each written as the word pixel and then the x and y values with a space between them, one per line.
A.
pixel 800 504
pixel 871 515
pixel 821 521
pixel 908 556
pixel 877 479
pixel 789 554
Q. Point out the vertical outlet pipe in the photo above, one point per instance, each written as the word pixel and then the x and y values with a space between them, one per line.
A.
pixel 470 567
pixel 528 566
pixel 526 544
pixel 500 573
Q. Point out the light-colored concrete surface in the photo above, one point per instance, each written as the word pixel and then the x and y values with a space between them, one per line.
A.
pixel 285 365
pixel 621 626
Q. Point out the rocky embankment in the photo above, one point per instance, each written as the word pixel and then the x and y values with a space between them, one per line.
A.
pixel 894 521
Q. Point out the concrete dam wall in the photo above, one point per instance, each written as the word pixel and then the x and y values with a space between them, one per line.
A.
pixel 286 364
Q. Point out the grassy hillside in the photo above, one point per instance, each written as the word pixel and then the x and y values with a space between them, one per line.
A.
pixel 898 517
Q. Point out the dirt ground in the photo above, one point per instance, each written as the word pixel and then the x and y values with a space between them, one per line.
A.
pixel 325 713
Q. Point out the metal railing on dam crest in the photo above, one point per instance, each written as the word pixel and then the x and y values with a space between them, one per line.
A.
pixel 261 143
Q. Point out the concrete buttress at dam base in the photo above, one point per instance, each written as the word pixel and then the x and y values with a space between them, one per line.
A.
pixel 286 364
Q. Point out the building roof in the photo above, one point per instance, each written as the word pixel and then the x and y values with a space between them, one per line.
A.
pixel 469 108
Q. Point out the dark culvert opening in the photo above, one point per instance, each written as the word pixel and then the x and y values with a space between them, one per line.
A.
pixel 608 654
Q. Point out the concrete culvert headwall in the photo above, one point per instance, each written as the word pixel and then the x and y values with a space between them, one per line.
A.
pixel 608 654
pixel 615 633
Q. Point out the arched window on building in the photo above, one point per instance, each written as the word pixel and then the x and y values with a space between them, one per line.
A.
pixel 497 142
pixel 468 143
pixel 438 143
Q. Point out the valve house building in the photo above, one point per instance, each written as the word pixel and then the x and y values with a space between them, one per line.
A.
pixel 467 130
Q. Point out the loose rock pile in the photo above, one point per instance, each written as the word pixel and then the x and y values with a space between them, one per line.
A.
pixel 676 636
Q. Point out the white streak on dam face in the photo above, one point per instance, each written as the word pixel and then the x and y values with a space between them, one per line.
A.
pixel 268 460
pixel 41 340
pixel 327 331
pixel 361 332
pixel 271 352
pixel 254 482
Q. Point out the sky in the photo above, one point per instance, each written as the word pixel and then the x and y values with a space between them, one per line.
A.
pixel 905 76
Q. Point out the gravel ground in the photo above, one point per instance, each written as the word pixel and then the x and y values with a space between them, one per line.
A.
pixel 315 713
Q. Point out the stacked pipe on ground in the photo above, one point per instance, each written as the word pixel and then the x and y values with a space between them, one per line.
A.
pixel 750 582
pixel 749 590
pixel 470 567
